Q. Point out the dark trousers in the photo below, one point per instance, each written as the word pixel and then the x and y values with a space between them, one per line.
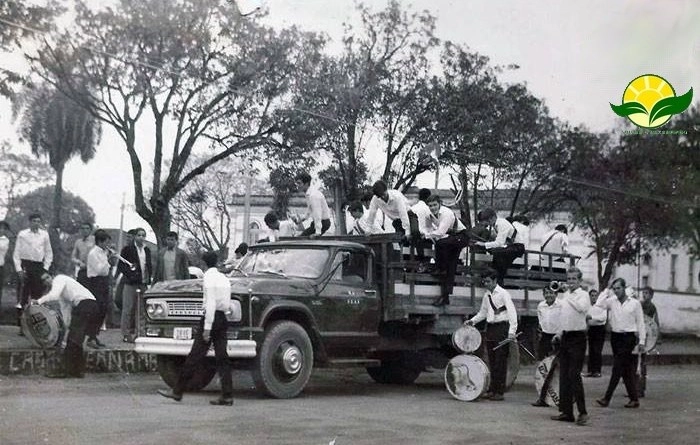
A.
pixel 325 225
pixel 503 257
pixel 31 286
pixel 199 352
pixel 498 359
pixel 446 255
pixel 643 376
pixel 544 346
pixel 596 339
pixel 82 277
pixel 2 282
pixel 624 364
pixel 99 287
pixel 82 318
pixel 572 352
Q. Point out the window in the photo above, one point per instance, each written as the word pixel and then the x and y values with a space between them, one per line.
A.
pixel 353 269
pixel 646 259
pixel 645 280
pixel 674 263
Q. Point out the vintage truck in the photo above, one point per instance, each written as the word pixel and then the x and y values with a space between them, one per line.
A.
pixel 331 302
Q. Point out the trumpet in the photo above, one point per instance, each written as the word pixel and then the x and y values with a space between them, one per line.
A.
pixel 114 253
pixel 558 286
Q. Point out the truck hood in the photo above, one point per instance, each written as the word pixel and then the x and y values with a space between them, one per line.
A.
pixel 241 285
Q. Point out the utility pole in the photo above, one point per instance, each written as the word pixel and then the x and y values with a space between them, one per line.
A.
pixel 246 209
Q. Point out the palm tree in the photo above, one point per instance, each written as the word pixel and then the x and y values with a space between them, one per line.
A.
pixel 57 127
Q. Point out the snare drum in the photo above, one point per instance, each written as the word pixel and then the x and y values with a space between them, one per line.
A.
pixel 466 339
pixel 652 333
pixel 43 326
pixel 549 366
pixel 467 377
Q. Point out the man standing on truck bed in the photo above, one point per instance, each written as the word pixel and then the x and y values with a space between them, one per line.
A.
pixel 216 302
pixel 501 323
pixel 317 207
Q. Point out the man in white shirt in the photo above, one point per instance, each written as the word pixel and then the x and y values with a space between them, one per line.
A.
pixel 393 204
pixel 596 319
pixel 571 336
pixel 503 248
pixel 548 312
pixel 422 212
pixel 628 332
pixel 4 248
pixel 501 323
pixel 316 207
pixel 79 310
pixel 361 224
pixel 278 228
pixel 32 256
pixel 99 263
pixel 556 243
pixel 450 237
pixel 213 326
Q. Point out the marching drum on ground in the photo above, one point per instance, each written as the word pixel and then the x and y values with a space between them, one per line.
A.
pixel 467 377
pixel 43 326
pixel 547 372
pixel 466 339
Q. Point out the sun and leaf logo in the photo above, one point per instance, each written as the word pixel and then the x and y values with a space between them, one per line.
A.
pixel 649 101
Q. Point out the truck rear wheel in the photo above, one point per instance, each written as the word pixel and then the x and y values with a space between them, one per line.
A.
pixel 401 371
pixel 169 367
pixel 285 360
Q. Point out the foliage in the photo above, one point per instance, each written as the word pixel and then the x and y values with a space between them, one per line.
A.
pixel 19 173
pixel 194 68
pixel 74 211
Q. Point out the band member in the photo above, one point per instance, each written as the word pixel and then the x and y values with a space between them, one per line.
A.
pixel 393 205
pixel 316 207
pixel 503 248
pixel 172 262
pixel 628 331
pixel 213 326
pixel 279 228
pixel 361 224
pixel 135 280
pixel 79 309
pixel 4 248
pixel 548 313
pixel 99 263
pixel 649 310
pixel 501 323
pixel 596 320
pixel 82 247
pixel 32 256
pixel 450 237
pixel 571 337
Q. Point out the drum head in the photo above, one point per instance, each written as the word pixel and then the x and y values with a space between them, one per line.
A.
pixel 467 377
pixel 43 325
pixel 542 369
pixel 652 333
pixel 466 339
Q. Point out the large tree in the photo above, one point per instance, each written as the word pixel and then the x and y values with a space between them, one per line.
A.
pixel 19 173
pixel 201 77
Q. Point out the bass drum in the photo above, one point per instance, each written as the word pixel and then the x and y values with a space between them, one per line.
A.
pixel 652 333
pixel 548 369
pixel 466 339
pixel 467 377
pixel 513 362
pixel 43 326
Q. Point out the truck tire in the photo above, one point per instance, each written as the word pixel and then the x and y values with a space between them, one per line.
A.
pixel 285 360
pixel 169 367
pixel 395 371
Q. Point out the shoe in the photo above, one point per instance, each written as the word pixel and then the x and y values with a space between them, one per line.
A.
pixel 21 333
pixel 632 404
pixel 582 419
pixel 128 339
pixel 99 343
pixel 486 395
pixel 92 344
pixel 563 418
pixel 603 402
pixel 497 397
pixel 539 402
pixel 596 375
pixel 641 393
pixel 441 301
pixel 169 394
pixel 221 401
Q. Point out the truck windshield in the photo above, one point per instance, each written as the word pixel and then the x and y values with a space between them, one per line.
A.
pixel 301 263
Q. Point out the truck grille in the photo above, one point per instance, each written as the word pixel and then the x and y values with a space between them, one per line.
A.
pixel 185 308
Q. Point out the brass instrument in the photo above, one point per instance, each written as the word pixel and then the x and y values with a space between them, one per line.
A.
pixel 114 253
pixel 558 286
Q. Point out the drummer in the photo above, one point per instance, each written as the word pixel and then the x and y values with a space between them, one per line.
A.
pixel 649 310
pixel 548 313
pixel 501 323
pixel 79 310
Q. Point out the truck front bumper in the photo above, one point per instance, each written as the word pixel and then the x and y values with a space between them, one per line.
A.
pixel 170 346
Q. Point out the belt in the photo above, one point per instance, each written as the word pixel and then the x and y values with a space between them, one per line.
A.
pixel 574 332
pixel 625 333
pixel 497 322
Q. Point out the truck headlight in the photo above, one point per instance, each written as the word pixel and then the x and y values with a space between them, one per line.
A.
pixel 157 309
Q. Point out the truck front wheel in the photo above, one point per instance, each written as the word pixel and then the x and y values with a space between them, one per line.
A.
pixel 169 367
pixel 398 371
pixel 284 362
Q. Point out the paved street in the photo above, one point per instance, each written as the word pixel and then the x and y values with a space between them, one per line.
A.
pixel 342 405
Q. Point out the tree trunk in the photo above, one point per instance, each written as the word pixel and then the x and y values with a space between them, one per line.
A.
pixel 57 198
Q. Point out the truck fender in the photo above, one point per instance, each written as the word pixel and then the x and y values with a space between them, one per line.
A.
pixel 295 311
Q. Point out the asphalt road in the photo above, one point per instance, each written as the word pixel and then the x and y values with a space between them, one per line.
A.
pixel 341 406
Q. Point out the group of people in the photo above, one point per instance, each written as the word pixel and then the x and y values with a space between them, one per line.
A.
pixel 574 319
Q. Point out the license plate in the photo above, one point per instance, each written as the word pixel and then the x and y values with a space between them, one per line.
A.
pixel 182 333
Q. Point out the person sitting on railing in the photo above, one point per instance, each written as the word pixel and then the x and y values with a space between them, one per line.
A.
pixel 503 248
pixel 361 224
pixel 556 243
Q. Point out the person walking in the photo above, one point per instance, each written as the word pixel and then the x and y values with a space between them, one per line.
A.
pixel 213 327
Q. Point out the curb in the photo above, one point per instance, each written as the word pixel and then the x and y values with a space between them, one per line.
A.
pixel 38 362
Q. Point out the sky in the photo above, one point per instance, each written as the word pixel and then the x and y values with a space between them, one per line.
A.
pixel 577 56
